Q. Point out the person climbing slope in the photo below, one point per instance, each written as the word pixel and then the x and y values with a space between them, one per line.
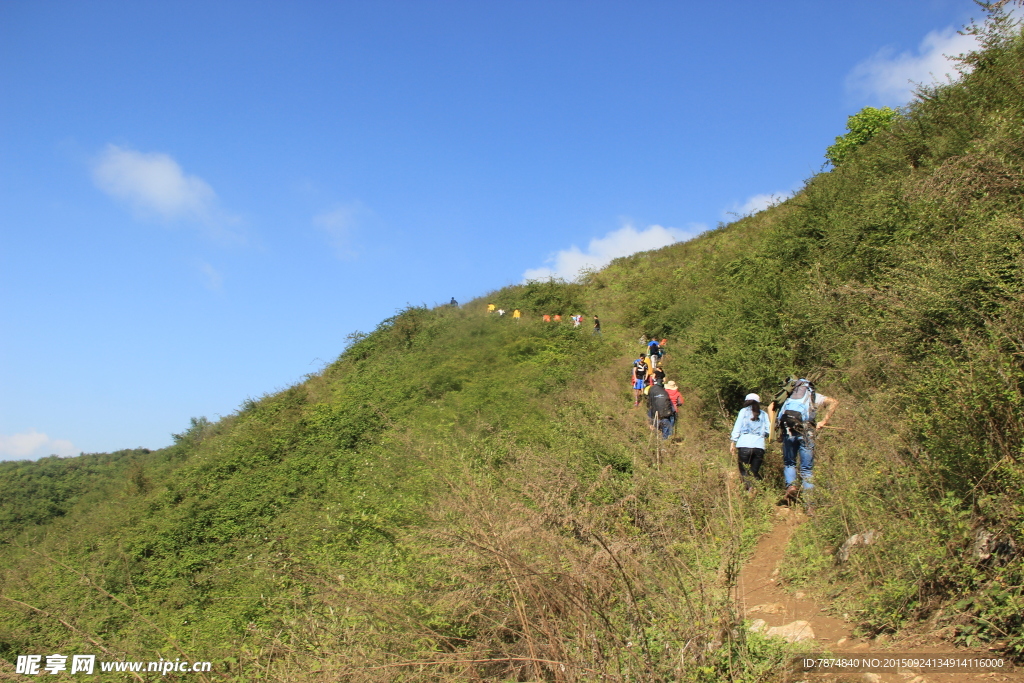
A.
pixel 746 443
pixel 639 378
pixel 516 315
pixel 654 350
pixel 660 410
pixel 597 325
pixel 794 414
pixel 672 389
pixel 657 376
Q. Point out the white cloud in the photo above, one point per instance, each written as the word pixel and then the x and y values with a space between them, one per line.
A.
pixel 568 263
pixel 31 445
pixel 154 184
pixel 888 78
pixel 758 202
pixel 213 279
pixel 340 224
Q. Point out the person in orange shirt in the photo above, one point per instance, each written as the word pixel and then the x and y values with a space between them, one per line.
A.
pixel 558 317
pixel 547 318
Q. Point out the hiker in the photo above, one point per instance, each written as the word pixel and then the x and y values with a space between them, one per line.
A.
pixel 454 303
pixel 558 317
pixel 657 376
pixel 490 308
pixel 747 440
pixel 547 318
pixel 661 349
pixel 516 315
pixel 676 396
pixel 576 320
pixel 650 366
pixel 797 406
pixel 654 349
pixel 597 325
pixel 501 312
pixel 661 410
pixel 639 378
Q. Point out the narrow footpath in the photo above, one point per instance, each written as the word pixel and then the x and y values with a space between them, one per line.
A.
pixel 761 595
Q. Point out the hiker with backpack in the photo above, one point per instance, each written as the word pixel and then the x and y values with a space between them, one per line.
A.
pixel 752 427
pixel 797 407
pixel 654 349
pixel 639 378
pixel 661 410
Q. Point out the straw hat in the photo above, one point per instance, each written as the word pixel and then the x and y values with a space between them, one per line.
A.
pixel 671 385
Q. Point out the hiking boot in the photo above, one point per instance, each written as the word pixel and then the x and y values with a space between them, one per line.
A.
pixel 792 492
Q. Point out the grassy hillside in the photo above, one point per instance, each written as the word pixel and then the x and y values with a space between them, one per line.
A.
pixel 460 496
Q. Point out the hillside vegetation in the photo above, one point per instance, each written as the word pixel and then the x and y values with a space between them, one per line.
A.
pixel 463 497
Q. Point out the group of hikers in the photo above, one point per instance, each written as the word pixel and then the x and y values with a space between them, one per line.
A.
pixel 648 381
pixel 791 418
pixel 517 315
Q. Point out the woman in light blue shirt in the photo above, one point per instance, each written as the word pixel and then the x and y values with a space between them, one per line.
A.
pixel 747 441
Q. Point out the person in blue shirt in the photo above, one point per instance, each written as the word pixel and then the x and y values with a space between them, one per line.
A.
pixel 747 440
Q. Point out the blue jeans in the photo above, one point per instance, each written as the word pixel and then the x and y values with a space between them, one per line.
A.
pixel 791 447
pixel 667 425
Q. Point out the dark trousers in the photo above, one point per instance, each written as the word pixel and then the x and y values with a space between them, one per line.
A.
pixel 750 464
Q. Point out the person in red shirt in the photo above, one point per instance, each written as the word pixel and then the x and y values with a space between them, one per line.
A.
pixel 547 318
pixel 673 393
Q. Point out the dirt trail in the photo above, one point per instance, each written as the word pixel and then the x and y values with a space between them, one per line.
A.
pixel 759 594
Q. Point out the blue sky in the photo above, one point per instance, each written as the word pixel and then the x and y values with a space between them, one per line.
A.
pixel 200 200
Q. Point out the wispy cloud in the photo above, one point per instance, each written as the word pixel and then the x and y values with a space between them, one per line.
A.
pixel 567 264
pixel 31 445
pixel 757 202
pixel 889 78
pixel 340 225
pixel 154 185
pixel 213 279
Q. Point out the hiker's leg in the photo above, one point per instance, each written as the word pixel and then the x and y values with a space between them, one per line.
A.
pixel 756 458
pixel 744 455
pixel 666 427
pixel 790 446
pixel 807 462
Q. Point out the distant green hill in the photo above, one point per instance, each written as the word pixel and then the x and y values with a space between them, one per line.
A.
pixel 460 495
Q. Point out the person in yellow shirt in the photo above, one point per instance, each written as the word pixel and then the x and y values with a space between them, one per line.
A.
pixel 516 315
pixel 490 308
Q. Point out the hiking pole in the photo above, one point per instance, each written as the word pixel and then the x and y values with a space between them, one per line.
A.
pixel 656 445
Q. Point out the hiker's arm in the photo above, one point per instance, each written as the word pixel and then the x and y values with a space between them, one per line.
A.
pixel 830 407
pixel 735 435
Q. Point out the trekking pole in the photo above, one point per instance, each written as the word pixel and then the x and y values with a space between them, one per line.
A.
pixel 657 441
